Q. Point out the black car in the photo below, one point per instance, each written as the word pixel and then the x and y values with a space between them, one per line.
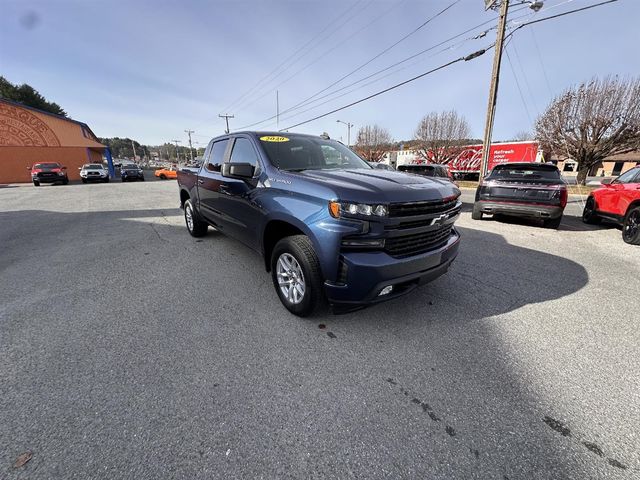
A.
pixel 130 172
pixel 430 170
pixel 381 166
pixel 533 190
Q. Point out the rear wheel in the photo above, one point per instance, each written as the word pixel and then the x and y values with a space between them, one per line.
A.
pixel 295 271
pixel 163 177
pixel 553 222
pixel 195 225
pixel 631 226
pixel 589 214
pixel 476 214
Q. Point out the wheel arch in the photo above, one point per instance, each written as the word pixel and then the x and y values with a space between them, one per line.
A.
pixel 277 228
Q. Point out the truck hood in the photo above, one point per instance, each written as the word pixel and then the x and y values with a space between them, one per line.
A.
pixel 380 186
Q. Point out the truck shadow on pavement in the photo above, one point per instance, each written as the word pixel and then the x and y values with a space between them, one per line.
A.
pixel 426 386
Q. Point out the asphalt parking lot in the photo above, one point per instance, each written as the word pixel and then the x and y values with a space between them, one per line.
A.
pixel 129 349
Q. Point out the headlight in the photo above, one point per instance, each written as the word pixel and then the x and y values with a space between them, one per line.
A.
pixel 338 208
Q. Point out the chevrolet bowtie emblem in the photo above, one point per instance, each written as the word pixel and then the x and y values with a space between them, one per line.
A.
pixel 440 220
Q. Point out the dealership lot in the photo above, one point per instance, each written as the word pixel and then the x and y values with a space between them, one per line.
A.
pixel 130 349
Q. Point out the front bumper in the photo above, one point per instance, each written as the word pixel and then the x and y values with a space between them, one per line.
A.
pixel 94 178
pixel 367 273
pixel 532 210
pixel 49 178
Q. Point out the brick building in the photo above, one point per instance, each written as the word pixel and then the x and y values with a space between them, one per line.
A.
pixel 29 135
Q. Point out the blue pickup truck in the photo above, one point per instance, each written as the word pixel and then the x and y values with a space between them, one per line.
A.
pixel 331 228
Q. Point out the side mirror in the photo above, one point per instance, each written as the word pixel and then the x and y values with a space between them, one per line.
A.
pixel 238 170
pixel 606 181
pixel 79 168
pixel 63 168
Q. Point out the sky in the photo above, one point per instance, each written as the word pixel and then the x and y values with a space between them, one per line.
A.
pixel 151 69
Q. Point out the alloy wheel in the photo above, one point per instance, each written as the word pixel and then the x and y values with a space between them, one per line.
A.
pixel 290 278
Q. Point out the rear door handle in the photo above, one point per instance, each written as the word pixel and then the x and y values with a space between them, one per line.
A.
pixel 200 181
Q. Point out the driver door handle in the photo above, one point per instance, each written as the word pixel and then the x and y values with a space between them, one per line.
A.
pixel 200 181
pixel 224 189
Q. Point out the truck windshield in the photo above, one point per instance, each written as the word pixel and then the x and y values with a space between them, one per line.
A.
pixel 297 153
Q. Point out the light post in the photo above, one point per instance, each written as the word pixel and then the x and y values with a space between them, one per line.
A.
pixel 349 125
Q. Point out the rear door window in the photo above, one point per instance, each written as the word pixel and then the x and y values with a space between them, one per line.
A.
pixel 525 173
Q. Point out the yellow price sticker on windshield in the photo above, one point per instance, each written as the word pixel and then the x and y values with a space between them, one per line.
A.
pixel 274 138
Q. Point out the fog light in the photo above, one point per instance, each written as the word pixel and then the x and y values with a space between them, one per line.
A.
pixel 386 290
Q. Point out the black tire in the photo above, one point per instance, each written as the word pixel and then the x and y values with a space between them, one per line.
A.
pixel 84 180
pixel 589 214
pixel 65 181
pixel 36 184
pixel 106 180
pixel 301 249
pixel 123 180
pixel 631 226
pixel 553 223
pixel 196 227
pixel 163 177
pixel 476 213
pixel 142 179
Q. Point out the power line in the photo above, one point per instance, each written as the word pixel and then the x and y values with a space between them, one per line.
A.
pixel 334 28
pixel 515 77
pixel 468 57
pixel 324 54
pixel 286 60
pixel 397 85
pixel 308 101
pixel 415 30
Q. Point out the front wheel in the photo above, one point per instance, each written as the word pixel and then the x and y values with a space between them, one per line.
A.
pixel 631 227
pixel 195 226
pixel 163 177
pixel 589 214
pixel 65 181
pixel 553 223
pixel 36 183
pixel 295 271
pixel 106 180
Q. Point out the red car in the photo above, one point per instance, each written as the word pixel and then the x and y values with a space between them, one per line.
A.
pixel 618 200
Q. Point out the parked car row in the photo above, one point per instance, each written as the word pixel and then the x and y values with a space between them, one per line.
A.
pixel 53 172
pixel 534 190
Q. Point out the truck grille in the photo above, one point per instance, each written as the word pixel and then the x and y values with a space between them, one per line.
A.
pixel 418 243
pixel 420 208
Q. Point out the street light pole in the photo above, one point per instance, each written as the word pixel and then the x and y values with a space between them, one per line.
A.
pixel 493 89
pixel 226 117
pixel 349 125
pixel 177 153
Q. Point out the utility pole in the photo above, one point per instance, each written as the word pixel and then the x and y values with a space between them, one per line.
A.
pixel 226 117
pixel 177 153
pixel 349 125
pixel 277 110
pixel 493 89
pixel 189 132
pixel 133 146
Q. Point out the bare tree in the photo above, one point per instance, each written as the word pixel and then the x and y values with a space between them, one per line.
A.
pixel 439 136
pixel 373 142
pixel 593 121
pixel 523 136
